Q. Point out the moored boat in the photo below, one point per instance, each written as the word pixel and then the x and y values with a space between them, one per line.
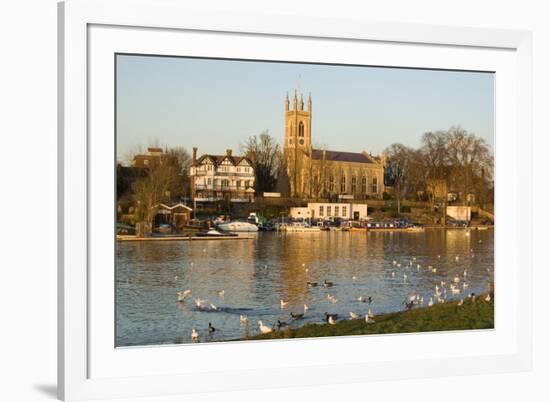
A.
pixel 215 233
pixel 237 226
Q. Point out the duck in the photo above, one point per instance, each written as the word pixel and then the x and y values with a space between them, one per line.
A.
pixel 328 284
pixel 368 319
pixel 211 328
pixel 281 325
pixel 488 298
pixel 353 315
pixel 306 307
pixel 328 316
pixel 311 284
pixel 331 320
pixel 243 319
pixel 194 335
pixel 221 293
pixel 283 304
pixel 296 316
pixel 332 299
pixel 370 313
pixel 263 328
pixel 431 302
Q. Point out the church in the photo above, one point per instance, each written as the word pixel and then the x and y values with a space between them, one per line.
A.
pixel 321 173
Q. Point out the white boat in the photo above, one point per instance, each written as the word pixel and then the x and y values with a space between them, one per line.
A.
pixel 299 227
pixel 237 226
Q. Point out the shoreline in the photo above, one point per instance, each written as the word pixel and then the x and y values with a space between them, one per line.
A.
pixel 448 316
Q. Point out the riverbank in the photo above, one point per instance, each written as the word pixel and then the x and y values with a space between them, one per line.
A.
pixel 478 314
pixel 186 238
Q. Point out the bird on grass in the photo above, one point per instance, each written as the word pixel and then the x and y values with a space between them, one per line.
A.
pixel 331 317
pixel 211 328
pixel 353 315
pixel 368 319
pixel 461 302
pixel 488 298
pixel 263 328
pixel 281 325
pixel 331 320
pixel 431 302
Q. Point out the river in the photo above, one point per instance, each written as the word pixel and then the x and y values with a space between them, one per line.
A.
pixel 255 274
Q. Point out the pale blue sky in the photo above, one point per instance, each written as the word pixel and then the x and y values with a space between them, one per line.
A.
pixel 216 104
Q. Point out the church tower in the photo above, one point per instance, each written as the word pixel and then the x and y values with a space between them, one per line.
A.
pixel 297 146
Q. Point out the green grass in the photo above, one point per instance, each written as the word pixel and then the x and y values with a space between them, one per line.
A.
pixel 440 317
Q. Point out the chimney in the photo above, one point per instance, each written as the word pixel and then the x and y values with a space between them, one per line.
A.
pixel 194 156
pixel 228 152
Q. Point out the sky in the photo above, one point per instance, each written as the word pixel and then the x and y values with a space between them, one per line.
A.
pixel 217 104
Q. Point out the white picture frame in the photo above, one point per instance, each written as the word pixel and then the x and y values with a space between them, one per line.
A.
pixel 87 367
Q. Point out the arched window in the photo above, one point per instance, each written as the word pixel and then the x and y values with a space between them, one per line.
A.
pixel 301 129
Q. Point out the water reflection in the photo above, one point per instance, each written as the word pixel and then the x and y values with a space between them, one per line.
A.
pixel 256 274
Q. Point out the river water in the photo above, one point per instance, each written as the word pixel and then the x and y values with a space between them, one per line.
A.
pixel 257 273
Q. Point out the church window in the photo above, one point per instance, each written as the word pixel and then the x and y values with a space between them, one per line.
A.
pixel 375 184
pixel 343 184
pixel 364 184
pixel 353 184
pixel 301 129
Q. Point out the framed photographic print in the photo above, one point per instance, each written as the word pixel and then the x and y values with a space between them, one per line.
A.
pixel 255 192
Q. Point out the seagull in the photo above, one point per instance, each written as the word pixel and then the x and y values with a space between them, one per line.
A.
pixel 353 315
pixel 213 307
pixel 456 258
pixel 283 304
pixel 199 302
pixel 194 335
pixel 221 293
pixel 243 319
pixel 354 278
pixel 211 328
pixel 464 285
pixel 327 284
pixel 431 302
pixel 404 277
pixel 488 298
pixel 306 307
pixel 264 329
pixel 183 295
pixel 332 299
pixel 434 270
pixel 393 274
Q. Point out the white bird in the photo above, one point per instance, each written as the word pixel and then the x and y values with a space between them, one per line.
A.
pixel 455 290
pixel 414 258
pixel 464 285
pixel 370 313
pixel 368 319
pixel 467 233
pixel 431 302
pixel 353 315
pixel 394 262
pixel 457 258
pixel 393 274
pixel 434 270
pixel 331 320
pixel 332 299
pixel 354 278
pixel 488 298
pixel 461 302
pixel 404 277
pixel 199 302
pixel 264 329
pixel 283 304
pixel 221 293
pixel 398 265
pixel 183 295
pixel 456 279
pixel 306 307
pixel 438 256
pixel 213 307
pixel 243 319
pixel 194 335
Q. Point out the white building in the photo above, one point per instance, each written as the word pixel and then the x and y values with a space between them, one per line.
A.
pixel 460 213
pixel 330 210
pixel 221 177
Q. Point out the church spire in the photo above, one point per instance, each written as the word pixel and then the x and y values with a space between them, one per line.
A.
pixel 309 103
pixel 295 101
pixel 287 102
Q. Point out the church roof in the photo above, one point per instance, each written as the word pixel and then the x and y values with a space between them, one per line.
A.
pixel 339 156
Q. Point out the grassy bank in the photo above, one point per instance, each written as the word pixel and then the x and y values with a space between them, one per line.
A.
pixel 440 317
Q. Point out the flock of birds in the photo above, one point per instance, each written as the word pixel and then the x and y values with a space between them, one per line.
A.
pixel 457 285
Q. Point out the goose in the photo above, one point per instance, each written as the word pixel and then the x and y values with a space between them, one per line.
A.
pixel 353 315
pixel 264 329
pixel 311 284
pixel 306 307
pixel 283 304
pixel 331 320
pixel 461 302
pixel 327 284
pixel 488 298
pixel 431 302
pixel 194 335
pixel 328 316
pixel 221 293
pixel 296 316
pixel 362 299
pixel 243 319
pixel 211 328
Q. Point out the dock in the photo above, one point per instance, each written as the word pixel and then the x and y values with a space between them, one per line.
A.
pixel 180 238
